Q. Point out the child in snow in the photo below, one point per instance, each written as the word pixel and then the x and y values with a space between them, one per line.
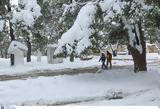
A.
pixel 103 59
pixel 109 59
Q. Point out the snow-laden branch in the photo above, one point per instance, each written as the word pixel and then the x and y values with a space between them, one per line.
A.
pixel 110 8
pixel 80 31
pixel 27 14
pixel 69 8
pixel 133 34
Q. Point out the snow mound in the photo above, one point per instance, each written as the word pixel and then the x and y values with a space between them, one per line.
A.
pixel 114 94
pixel 15 46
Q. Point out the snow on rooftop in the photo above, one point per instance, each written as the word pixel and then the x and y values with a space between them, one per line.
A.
pixel 15 45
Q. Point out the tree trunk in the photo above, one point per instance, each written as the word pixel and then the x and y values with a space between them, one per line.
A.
pixel 139 59
pixel 150 39
pixel 29 51
pixel 6 55
pixel 115 50
pixel 1 54
pixel 72 57
pixel 12 39
pixel 11 33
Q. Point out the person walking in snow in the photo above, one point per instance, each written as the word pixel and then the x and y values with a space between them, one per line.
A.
pixel 109 59
pixel 103 60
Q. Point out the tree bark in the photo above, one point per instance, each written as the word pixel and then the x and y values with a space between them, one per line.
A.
pixel 29 51
pixel 11 33
pixel 12 39
pixel 72 57
pixel 150 39
pixel 139 59
pixel 115 50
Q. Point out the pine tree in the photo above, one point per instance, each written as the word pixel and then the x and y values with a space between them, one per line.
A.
pixel 131 15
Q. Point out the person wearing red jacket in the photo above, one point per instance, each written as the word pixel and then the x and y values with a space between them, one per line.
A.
pixel 109 59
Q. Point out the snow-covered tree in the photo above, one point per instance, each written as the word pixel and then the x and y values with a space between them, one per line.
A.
pixel 57 17
pixel 23 14
pixel 47 28
pixel 80 31
pixel 131 14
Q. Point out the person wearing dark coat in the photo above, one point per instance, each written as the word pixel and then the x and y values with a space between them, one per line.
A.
pixel 109 59
pixel 103 60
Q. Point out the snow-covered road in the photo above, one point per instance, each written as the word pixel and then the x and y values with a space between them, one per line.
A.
pixel 141 88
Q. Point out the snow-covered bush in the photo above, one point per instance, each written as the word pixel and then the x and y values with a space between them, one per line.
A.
pixel 114 94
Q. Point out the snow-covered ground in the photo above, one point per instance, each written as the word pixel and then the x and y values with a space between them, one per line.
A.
pixel 6 69
pixel 141 88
